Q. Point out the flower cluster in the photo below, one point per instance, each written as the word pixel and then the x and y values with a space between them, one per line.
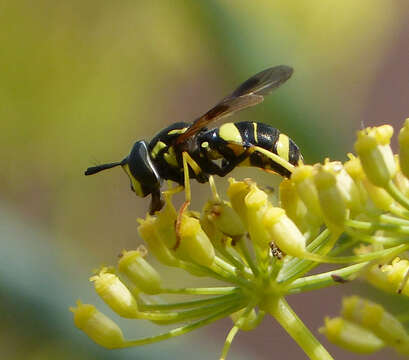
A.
pixel 366 327
pixel 355 214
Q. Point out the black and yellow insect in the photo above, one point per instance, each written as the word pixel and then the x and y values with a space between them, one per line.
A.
pixel 190 150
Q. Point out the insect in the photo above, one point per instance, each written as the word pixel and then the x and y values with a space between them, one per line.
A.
pixel 191 150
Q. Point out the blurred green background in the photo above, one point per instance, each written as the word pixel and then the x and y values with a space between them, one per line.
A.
pixel 82 80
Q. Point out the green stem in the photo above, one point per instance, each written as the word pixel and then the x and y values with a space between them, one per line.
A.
pixel 183 329
pixel 222 290
pixel 344 247
pixel 184 304
pixel 401 214
pixel 373 239
pixel 229 339
pixel 326 279
pixel 228 272
pixel 215 272
pixel 295 267
pixel 364 225
pixel 225 266
pixel 242 246
pixel 234 330
pixel 289 320
pixel 397 195
pixel 175 317
pixel 375 255
pixel 233 260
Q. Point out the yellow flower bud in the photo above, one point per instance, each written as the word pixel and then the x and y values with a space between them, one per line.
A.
pixel 402 183
pixel 256 204
pixel 376 154
pixel 379 279
pixel 250 203
pixel 115 294
pixel 350 336
pixel 283 232
pixel 194 241
pixel 140 272
pixel 380 197
pixel 97 326
pixel 237 191
pixel 330 197
pixel 224 217
pixel 375 318
pixel 148 231
pixel 354 169
pixel 209 227
pixel 303 178
pixel 347 187
pixel 396 275
pixel 404 148
pixel 165 225
pixel 294 207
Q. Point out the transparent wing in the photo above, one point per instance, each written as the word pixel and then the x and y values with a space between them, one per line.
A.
pixel 249 93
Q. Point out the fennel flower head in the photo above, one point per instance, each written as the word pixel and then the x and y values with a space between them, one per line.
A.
pixel 353 214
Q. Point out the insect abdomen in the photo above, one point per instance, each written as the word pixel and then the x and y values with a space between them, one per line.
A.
pixel 267 137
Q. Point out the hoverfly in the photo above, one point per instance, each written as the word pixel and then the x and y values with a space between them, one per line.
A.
pixel 191 150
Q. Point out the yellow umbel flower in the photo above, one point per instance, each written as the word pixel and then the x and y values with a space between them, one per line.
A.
pixel 257 250
pixel 97 326
pixel 373 148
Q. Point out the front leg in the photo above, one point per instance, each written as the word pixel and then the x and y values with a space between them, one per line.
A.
pixel 156 202
pixel 187 161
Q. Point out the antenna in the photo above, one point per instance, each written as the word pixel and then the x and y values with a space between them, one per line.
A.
pixel 96 169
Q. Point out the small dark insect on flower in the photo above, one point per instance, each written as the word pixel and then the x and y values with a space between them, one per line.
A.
pixel 339 279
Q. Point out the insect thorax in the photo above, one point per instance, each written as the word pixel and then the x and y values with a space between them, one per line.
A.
pixel 167 159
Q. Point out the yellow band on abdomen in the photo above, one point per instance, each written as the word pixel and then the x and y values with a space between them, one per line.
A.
pixel 283 147
pixel 229 132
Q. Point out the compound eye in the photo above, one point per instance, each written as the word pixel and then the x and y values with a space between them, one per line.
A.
pixel 145 177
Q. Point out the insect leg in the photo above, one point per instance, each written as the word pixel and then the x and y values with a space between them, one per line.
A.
pixel 187 161
pixel 277 159
pixel 213 189
pixel 172 190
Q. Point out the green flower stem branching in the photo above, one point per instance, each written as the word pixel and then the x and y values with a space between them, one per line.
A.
pixel 226 290
pixel 365 225
pixel 347 245
pixel 372 239
pixel 186 304
pixel 234 330
pixel 204 310
pixel 288 319
pixel 397 195
pixel 184 329
pixel 217 273
pixel 234 261
pixel 244 251
pixel 375 255
pixel 296 267
pixel 232 269
pixel 398 211
pixel 393 220
pixel 326 279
